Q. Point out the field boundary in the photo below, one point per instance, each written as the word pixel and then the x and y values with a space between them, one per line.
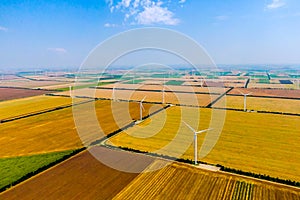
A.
pixel 257 111
pixel 267 97
pixel 217 99
pixel 24 88
pixel 32 79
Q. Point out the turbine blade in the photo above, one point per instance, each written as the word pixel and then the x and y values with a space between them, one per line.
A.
pixel 189 126
pixel 241 92
pixel 143 99
pixel 202 131
pixel 142 106
pixel 249 93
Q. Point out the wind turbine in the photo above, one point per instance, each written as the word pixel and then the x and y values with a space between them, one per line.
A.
pixel 142 108
pixel 195 140
pixel 163 92
pixel 113 94
pixel 70 90
pixel 245 99
pixel 296 81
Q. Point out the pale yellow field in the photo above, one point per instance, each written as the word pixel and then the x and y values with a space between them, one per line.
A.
pixel 25 83
pixel 273 86
pixel 262 104
pixel 254 142
pixel 181 88
pixel 173 98
pixel 17 107
pixel 185 182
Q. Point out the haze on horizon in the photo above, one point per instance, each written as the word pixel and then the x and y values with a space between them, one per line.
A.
pixel 62 33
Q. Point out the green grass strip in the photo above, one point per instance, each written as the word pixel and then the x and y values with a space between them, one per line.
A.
pixel 17 169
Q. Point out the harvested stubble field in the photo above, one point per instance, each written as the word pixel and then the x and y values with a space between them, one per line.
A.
pixel 262 104
pixel 81 177
pixel 186 182
pixel 63 86
pixel 28 83
pixel 19 107
pixel 14 93
pixel 168 88
pixel 253 142
pixel 270 86
pixel 267 92
pixel 155 97
pixel 38 134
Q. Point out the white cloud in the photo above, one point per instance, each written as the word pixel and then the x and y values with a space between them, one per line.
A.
pixel 2 28
pixel 145 12
pixel 222 17
pixel 58 50
pixel 275 4
pixel 155 14
pixel 109 25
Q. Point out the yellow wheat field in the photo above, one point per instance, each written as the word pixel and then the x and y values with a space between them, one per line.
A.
pixel 38 134
pixel 262 104
pixel 172 98
pixel 184 182
pixel 17 107
pixel 254 142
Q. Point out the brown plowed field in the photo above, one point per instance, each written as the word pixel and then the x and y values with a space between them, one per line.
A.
pixel 267 92
pixel 15 93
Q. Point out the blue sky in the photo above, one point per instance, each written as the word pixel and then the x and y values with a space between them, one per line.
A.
pixel 61 33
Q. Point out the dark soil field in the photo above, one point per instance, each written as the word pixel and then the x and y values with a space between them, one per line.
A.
pixel 284 93
pixel 15 93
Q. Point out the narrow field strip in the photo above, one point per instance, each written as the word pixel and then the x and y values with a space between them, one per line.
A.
pixel 17 169
pixel 22 108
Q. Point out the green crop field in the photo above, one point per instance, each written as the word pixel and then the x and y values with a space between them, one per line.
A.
pixel 14 168
pixel 174 82
pixel 134 81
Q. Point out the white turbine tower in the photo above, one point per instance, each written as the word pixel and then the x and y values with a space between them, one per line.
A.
pixel 245 99
pixel 195 140
pixel 163 92
pixel 142 108
pixel 113 94
pixel 70 90
pixel 297 83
